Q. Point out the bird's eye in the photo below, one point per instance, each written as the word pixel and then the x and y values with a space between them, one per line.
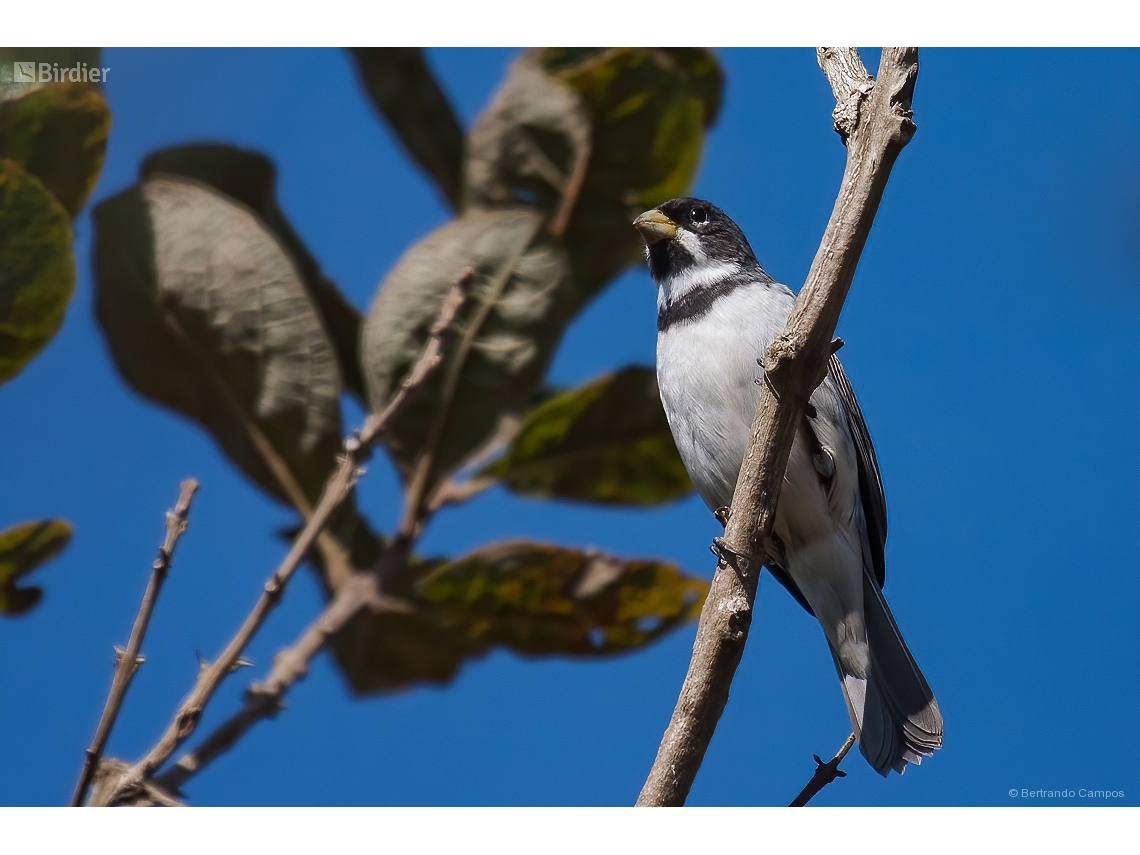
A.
pixel 699 216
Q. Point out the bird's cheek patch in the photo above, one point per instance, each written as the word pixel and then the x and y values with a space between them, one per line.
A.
pixel 691 243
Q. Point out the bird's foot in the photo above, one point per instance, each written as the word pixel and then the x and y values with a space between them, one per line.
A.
pixel 724 552
pixel 723 513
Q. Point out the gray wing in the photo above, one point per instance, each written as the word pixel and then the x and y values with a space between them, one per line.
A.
pixel 870 485
pixel 870 481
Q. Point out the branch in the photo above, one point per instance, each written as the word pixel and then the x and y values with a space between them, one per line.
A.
pixel 850 84
pixel 357 450
pixel 362 590
pixel 825 773
pixel 127 661
pixel 263 699
pixel 794 365
pixel 421 485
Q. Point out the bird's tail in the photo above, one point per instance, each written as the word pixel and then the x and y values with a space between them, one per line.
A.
pixel 893 712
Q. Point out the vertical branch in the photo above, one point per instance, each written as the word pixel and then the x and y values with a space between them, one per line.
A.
pixel 128 661
pixel 794 365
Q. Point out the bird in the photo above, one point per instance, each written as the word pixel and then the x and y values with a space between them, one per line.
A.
pixel 717 313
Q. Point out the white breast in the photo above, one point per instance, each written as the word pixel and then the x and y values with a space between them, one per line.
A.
pixel 707 370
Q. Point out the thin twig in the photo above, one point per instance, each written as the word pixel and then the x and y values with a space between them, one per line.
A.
pixel 794 365
pixel 571 190
pixel 357 450
pixel 421 485
pixel 127 661
pixel 263 698
pixel 453 492
pixel 362 590
pixel 825 773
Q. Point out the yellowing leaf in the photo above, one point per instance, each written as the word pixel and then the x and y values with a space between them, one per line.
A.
pixel 37 269
pixel 533 598
pixel 606 441
pixel 58 133
pixel 23 548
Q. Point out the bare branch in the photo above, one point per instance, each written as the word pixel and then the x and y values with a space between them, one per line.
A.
pixel 357 450
pixel 127 661
pixel 361 590
pixel 794 365
pixel 825 773
pixel 263 699
pixel 421 484
pixel 570 191
pixel 453 492
pixel 850 84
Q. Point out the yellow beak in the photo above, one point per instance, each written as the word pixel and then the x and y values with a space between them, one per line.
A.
pixel 655 227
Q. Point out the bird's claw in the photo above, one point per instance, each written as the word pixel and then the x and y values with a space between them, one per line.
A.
pixel 722 514
pixel 724 552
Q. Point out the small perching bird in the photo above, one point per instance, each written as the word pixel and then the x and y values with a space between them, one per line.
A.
pixel 717 313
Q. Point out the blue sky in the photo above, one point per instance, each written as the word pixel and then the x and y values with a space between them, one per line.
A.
pixel 990 335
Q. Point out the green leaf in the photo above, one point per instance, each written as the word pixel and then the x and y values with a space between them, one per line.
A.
pixel 58 133
pixel 37 268
pixel 205 312
pixel 63 57
pixel 533 598
pixel 507 331
pixel 607 441
pixel 557 167
pixel 404 90
pixel 649 109
pixel 250 178
pixel 23 548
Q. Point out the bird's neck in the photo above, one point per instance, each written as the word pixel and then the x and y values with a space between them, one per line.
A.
pixel 676 286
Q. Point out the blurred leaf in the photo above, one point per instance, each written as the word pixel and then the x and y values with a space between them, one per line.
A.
pixel 204 311
pixel 250 177
pixel 23 548
pixel 534 598
pixel 509 328
pixel 404 90
pixel 606 441
pixel 64 57
pixel 58 133
pixel 704 77
pixel 37 269
pixel 649 109
pixel 530 143
pixel 629 123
